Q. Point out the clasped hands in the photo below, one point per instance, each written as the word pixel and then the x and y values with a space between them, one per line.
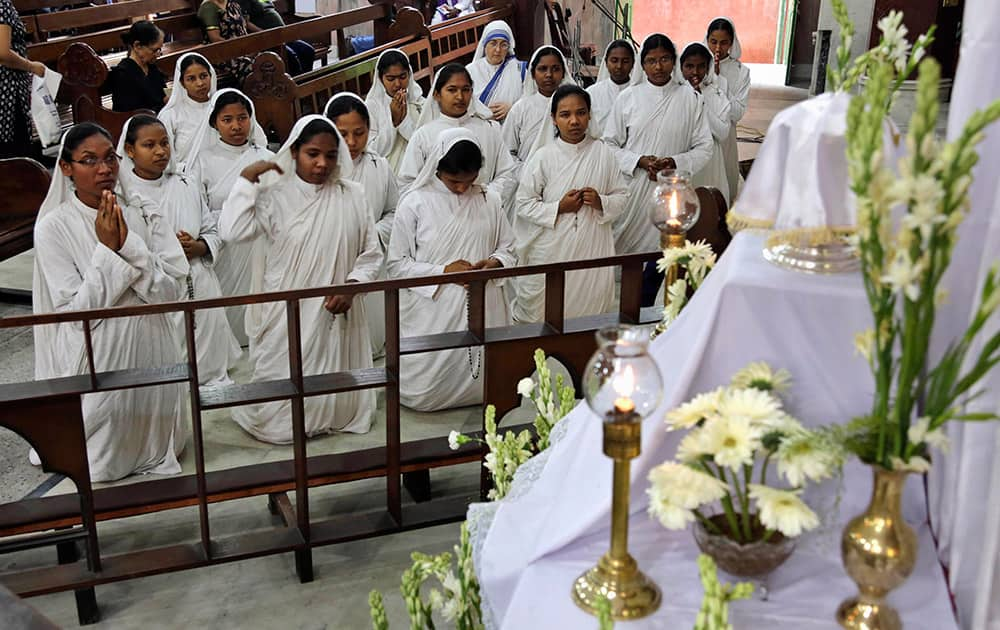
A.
pixel 110 225
pixel 653 165
pixel 462 265
pixel 575 199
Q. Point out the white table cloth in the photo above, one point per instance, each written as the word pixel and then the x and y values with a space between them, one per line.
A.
pixel 555 522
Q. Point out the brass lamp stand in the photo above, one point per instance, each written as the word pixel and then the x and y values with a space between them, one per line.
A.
pixel 616 576
pixel 671 240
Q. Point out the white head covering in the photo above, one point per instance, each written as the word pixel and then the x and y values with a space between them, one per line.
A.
pixel 284 159
pixel 326 108
pixel 492 30
pixel 634 78
pixel 179 99
pixel 444 142
pixel 548 132
pixel 711 78
pixel 432 110
pixel 378 100
pixel 736 51
pixel 126 165
pixel 530 87
pixel 206 132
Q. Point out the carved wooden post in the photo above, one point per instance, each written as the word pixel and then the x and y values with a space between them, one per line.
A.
pixel 273 94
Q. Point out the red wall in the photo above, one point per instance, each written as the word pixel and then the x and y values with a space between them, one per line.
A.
pixel 685 21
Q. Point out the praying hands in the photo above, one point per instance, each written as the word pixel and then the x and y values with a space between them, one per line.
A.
pixel 110 223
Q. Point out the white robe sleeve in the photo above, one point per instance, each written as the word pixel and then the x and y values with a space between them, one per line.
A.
pixel 369 261
pixel 717 108
pixel 504 181
pixel 510 131
pixel 402 258
pixel 413 160
pixel 408 126
pixel 528 203
pixel 152 247
pixel 239 219
pixel 504 251
pixel 615 199
pixel 384 224
pixel 616 136
pixel 695 158
pixel 209 233
pixel 739 98
pixel 100 285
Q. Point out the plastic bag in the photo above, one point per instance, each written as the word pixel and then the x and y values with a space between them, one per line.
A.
pixel 43 106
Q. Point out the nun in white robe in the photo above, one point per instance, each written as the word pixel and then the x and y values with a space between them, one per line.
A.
pixel 604 92
pixel 373 174
pixel 499 169
pixel 737 78
pixel 545 236
pixel 716 104
pixel 665 121
pixel 311 235
pixel 526 118
pixel 386 139
pixel 180 203
pixel 433 228
pixel 182 115
pixel 128 431
pixel 502 83
pixel 218 166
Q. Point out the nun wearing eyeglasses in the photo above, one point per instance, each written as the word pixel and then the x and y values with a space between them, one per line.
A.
pixel 94 251
pixel 495 71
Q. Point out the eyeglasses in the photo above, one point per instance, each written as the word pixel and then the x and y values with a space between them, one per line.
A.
pixel 156 51
pixel 661 61
pixel 110 161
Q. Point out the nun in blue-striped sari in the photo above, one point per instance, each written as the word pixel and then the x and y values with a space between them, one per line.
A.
pixel 497 74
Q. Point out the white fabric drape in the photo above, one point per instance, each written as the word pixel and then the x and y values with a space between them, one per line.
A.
pixel 181 203
pixel 312 235
pixel 387 139
pixel 218 166
pixel 508 87
pixel 128 431
pixel 604 91
pixel 964 485
pixel 665 121
pixel 182 115
pixel 433 228
pixel 545 236
pixel 716 102
pixel 737 78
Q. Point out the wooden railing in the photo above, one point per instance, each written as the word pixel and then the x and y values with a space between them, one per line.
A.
pixel 39 409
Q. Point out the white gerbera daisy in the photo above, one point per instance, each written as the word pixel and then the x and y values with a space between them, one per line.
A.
pixel 801 457
pixel 692 446
pixel 693 411
pixel 782 510
pixel 683 486
pixel 732 440
pixel 760 375
pixel 750 403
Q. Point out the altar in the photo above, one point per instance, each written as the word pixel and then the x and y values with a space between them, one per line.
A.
pixel 554 523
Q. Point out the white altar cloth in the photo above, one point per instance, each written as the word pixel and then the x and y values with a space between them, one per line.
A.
pixel 554 522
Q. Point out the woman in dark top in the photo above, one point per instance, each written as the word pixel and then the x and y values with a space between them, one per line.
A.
pixel 15 84
pixel 136 82
pixel 222 20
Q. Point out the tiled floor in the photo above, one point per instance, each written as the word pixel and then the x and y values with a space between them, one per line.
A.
pixel 264 593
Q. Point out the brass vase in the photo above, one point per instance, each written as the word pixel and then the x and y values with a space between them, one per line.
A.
pixel 879 551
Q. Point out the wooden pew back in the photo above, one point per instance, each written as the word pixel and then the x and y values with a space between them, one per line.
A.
pixel 23 186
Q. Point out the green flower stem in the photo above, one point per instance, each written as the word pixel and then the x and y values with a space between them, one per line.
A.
pixel 747 472
pixel 763 469
pixel 767 535
pixel 709 525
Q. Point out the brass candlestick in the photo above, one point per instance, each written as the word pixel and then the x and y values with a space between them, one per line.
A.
pixel 671 240
pixel 616 576
pixel 622 385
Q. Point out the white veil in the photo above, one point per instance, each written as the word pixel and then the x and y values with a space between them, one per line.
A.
pixel 529 81
pixel 432 110
pixel 206 130
pixel 444 142
pixel 711 78
pixel 377 101
pixel 179 98
pixel 736 51
pixel 636 75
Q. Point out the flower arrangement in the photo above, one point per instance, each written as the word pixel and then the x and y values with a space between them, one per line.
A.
pixel 734 434
pixel 458 601
pixel 696 260
pixel 714 611
pixel 552 400
pixel 908 216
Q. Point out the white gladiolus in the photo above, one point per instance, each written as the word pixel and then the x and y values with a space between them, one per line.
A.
pixel 782 510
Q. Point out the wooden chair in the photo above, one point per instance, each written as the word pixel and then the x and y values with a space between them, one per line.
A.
pixel 23 185
pixel 711 225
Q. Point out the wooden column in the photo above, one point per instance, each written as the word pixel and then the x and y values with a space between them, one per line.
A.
pixel 529 25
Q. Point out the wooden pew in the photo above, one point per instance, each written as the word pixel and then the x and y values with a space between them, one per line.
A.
pixel 106 16
pixel 23 186
pixel 280 100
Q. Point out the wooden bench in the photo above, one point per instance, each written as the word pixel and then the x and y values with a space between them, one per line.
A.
pixel 280 100
pixel 23 186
